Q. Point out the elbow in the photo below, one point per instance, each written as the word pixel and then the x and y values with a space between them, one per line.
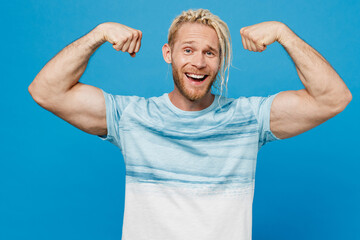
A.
pixel 36 94
pixel 32 90
pixel 342 103
pixel 349 97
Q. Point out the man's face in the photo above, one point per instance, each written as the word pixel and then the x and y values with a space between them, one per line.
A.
pixel 195 60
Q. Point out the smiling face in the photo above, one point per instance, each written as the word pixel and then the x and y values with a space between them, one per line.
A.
pixel 195 60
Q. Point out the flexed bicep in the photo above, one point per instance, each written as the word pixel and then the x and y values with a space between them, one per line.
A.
pixel 83 106
pixel 295 112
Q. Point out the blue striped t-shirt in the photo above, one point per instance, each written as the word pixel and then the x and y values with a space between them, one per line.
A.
pixel 189 174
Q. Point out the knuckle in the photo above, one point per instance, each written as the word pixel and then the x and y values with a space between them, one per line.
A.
pixel 245 31
pixel 129 35
pixel 122 40
pixel 135 34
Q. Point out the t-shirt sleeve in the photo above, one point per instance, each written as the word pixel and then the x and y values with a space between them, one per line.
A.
pixel 261 107
pixel 115 106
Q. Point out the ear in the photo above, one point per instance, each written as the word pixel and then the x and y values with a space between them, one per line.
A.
pixel 166 53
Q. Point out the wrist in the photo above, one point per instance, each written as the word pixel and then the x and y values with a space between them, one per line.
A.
pixel 96 36
pixel 285 35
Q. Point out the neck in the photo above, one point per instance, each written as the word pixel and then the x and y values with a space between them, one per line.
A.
pixel 181 102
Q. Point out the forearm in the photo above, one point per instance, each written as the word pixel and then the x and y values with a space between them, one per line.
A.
pixel 64 70
pixel 319 78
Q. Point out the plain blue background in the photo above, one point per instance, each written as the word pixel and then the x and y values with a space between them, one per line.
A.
pixel 57 182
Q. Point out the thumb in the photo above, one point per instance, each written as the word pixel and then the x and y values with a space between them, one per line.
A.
pixel 262 47
pixel 116 47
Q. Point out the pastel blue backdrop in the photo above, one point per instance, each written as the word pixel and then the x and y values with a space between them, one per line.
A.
pixel 57 182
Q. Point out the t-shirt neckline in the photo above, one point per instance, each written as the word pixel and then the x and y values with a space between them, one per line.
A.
pixel 190 113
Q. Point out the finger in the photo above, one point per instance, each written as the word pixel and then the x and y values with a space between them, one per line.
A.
pixel 126 45
pixel 132 46
pixel 117 46
pixel 138 44
pixel 133 43
pixel 242 31
pixel 133 54
pixel 253 46
pixel 260 46
pixel 248 45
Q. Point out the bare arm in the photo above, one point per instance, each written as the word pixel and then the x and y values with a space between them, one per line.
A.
pixel 325 93
pixel 56 87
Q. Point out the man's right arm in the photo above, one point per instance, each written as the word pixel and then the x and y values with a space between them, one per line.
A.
pixel 57 87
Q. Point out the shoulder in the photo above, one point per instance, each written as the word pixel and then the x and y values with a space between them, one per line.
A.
pixel 121 100
pixel 260 103
pixel 240 104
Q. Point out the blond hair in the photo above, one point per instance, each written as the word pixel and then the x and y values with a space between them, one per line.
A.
pixel 205 17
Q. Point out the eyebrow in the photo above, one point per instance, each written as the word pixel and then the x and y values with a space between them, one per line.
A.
pixel 211 48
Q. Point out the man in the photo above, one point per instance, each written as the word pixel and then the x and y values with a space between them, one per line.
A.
pixel 190 155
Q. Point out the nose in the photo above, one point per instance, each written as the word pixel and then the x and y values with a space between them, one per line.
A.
pixel 199 60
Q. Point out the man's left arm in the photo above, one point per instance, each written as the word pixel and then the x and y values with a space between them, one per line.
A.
pixel 325 93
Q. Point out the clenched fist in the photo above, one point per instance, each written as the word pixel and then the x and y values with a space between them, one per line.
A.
pixel 123 38
pixel 256 37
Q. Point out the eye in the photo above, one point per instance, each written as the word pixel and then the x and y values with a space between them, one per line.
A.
pixel 187 50
pixel 209 53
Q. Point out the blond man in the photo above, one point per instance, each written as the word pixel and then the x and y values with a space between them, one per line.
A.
pixel 191 154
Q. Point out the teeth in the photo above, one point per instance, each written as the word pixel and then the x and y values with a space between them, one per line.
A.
pixel 195 76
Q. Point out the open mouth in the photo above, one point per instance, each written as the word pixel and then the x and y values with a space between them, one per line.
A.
pixel 196 78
